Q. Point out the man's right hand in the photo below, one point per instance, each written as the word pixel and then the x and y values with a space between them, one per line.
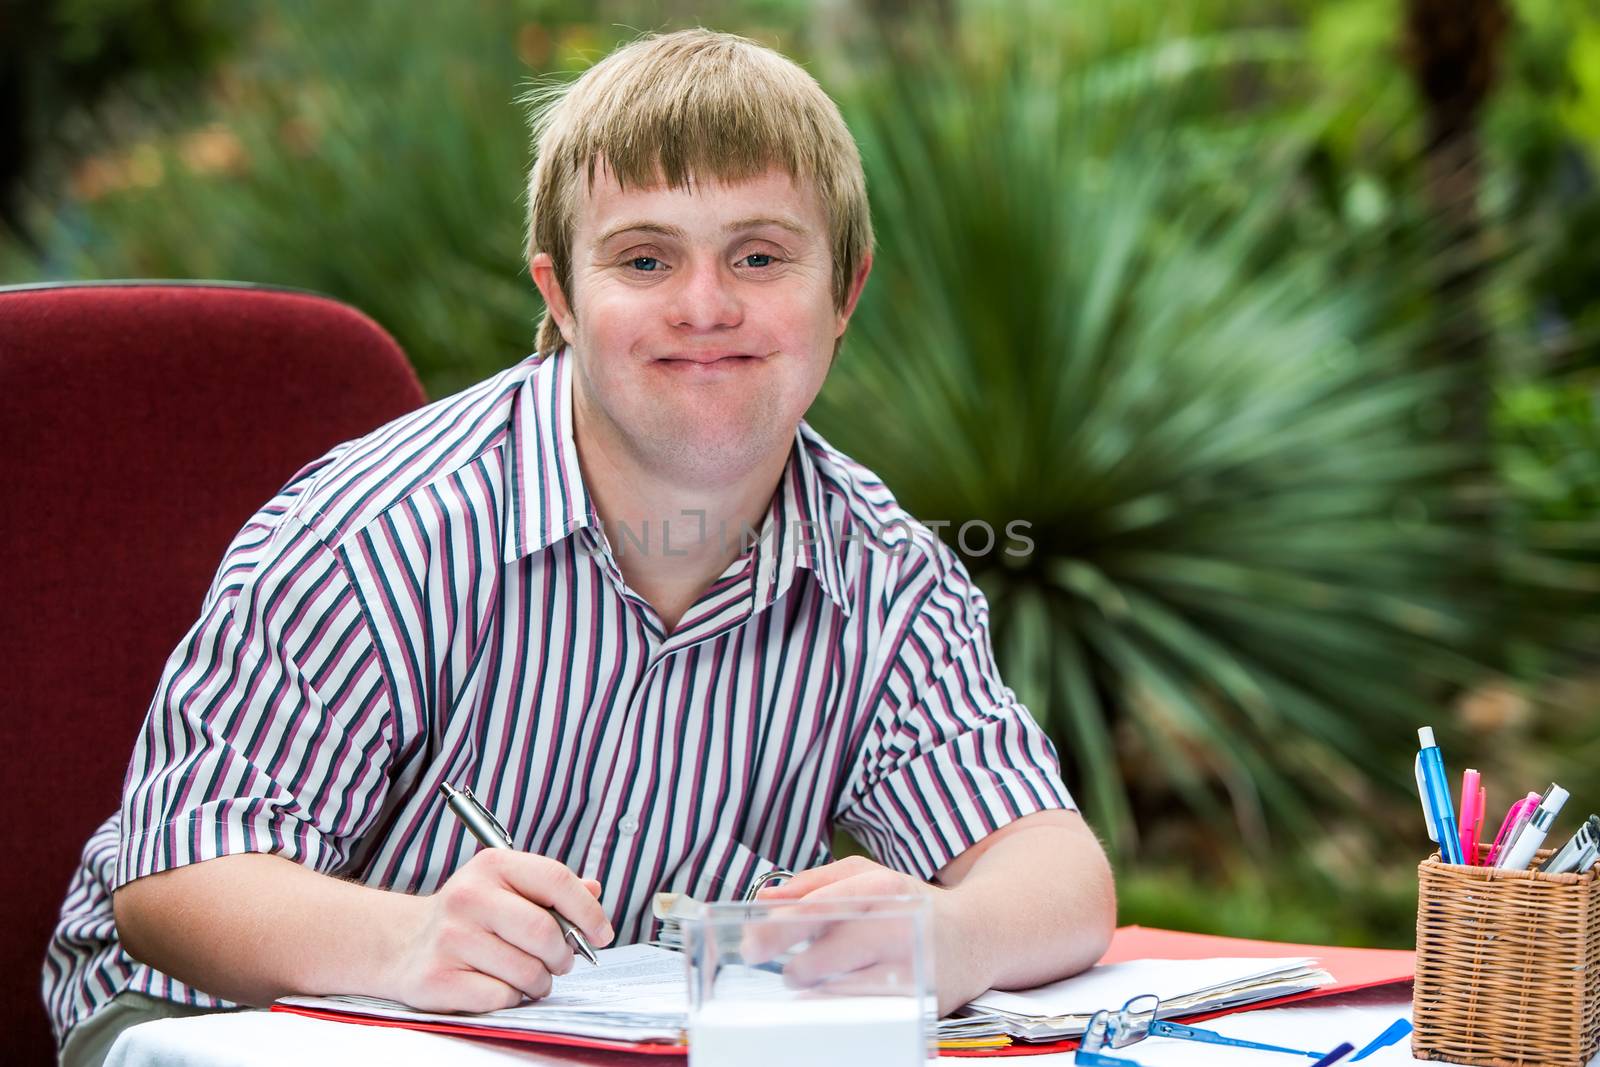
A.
pixel 483 941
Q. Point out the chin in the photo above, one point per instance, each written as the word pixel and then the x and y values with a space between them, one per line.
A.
pixel 718 452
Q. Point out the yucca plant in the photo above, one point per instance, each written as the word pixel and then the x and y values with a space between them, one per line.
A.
pixel 1101 307
pixel 1244 592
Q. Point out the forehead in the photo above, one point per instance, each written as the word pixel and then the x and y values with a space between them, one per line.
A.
pixel 700 207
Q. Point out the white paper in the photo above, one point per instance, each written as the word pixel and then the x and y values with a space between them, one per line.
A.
pixel 1110 985
pixel 637 993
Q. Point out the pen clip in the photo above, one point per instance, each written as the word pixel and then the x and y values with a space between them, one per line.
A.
pixel 489 815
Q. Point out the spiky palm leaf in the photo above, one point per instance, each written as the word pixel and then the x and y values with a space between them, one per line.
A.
pixel 1243 576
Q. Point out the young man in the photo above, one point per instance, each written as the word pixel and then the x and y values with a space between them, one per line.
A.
pixel 542 589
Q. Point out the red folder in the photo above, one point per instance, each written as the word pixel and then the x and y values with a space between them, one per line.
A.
pixel 1352 968
pixel 656 1048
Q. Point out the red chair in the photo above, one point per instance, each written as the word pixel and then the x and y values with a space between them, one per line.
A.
pixel 140 425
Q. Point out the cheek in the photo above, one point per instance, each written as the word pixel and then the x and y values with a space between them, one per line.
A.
pixel 793 325
pixel 610 320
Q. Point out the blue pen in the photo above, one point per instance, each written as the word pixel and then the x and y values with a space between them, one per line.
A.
pixel 1436 806
pixel 1335 1056
pixel 1397 1029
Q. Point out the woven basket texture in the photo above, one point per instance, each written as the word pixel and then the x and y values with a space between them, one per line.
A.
pixel 1508 966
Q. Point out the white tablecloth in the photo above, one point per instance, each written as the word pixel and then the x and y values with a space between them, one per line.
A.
pixel 257 1039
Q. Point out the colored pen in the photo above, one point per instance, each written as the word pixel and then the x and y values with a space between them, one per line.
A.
pixel 1569 856
pixel 1473 800
pixel 483 825
pixel 1518 854
pixel 1516 818
pixel 1397 1029
pixel 1338 1053
pixel 1435 790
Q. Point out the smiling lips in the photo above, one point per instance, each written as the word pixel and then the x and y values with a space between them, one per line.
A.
pixel 707 360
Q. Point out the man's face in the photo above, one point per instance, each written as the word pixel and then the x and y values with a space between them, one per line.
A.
pixel 702 320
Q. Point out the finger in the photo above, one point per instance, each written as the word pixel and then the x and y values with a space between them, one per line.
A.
pixel 498 959
pixel 767 939
pixel 877 979
pixel 593 887
pixel 545 881
pixel 466 990
pixel 786 927
pixel 530 928
pixel 876 882
pixel 839 950
pixel 815 878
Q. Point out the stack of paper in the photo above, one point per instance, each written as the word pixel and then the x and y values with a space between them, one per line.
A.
pixel 639 995
pixel 671 910
pixel 1185 987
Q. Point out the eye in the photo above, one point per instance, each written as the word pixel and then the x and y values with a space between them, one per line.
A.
pixel 758 259
pixel 644 263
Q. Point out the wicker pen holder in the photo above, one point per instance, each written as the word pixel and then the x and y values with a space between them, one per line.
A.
pixel 1508 966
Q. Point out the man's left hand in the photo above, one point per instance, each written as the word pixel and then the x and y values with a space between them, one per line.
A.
pixel 865 957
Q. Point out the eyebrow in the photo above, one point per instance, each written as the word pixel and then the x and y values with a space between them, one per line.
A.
pixel 677 234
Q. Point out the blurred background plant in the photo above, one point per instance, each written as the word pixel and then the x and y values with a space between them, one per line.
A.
pixel 1275 320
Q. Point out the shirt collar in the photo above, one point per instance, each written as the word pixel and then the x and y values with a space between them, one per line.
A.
pixel 807 533
pixel 546 499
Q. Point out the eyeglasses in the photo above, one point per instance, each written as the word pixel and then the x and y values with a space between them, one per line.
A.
pixel 1136 1020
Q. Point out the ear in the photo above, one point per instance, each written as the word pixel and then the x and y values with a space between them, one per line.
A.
pixel 858 283
pixel 543 269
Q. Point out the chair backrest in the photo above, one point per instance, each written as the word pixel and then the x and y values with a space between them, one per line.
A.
pixel 140 425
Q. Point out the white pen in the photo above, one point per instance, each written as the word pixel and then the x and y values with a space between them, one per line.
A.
pixel 482 824
pixel 1520 852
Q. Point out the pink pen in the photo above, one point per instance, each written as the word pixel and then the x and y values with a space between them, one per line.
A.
pixel 1515 820
pixel 1473 800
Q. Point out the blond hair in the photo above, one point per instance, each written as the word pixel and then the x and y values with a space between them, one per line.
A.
pixel 691 106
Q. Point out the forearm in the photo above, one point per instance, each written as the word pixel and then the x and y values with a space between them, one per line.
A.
pixel 1040 899
pixel 255 927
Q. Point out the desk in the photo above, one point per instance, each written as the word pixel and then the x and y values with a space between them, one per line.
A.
pixel 256 1039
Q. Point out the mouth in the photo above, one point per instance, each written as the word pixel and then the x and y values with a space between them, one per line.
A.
pixel 709 360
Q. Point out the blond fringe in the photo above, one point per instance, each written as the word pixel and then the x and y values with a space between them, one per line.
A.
pixel 694 106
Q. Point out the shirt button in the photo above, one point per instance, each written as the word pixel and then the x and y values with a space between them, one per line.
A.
pixel 628 825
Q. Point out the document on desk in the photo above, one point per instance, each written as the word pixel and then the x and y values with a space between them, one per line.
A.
pixel 637 994
pixel 1186 987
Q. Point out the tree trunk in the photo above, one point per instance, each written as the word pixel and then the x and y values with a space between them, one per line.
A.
pixel 1454 50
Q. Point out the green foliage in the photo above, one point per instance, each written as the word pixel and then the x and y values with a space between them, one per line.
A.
pixel 1286 901
pixel 1148 279
pixel 363 152
pixel 1245 589
pixel 1550 455
pixel 70 67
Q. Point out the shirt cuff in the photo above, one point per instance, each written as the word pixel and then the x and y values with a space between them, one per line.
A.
pixel 223 828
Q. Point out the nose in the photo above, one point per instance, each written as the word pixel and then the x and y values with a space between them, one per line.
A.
pixel 704 298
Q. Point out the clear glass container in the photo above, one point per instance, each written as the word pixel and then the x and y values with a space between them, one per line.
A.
pixel 782 983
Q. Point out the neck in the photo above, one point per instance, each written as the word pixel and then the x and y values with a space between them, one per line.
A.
pixel 672 535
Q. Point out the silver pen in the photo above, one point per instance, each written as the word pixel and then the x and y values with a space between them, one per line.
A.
pixel 482 824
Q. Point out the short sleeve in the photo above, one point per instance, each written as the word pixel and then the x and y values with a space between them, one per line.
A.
pixel 270 729
pixel 949 755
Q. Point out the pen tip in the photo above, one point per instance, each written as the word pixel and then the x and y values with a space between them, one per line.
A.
pixel 581 946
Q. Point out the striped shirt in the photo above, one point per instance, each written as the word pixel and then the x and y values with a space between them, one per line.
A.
pixel 438 601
